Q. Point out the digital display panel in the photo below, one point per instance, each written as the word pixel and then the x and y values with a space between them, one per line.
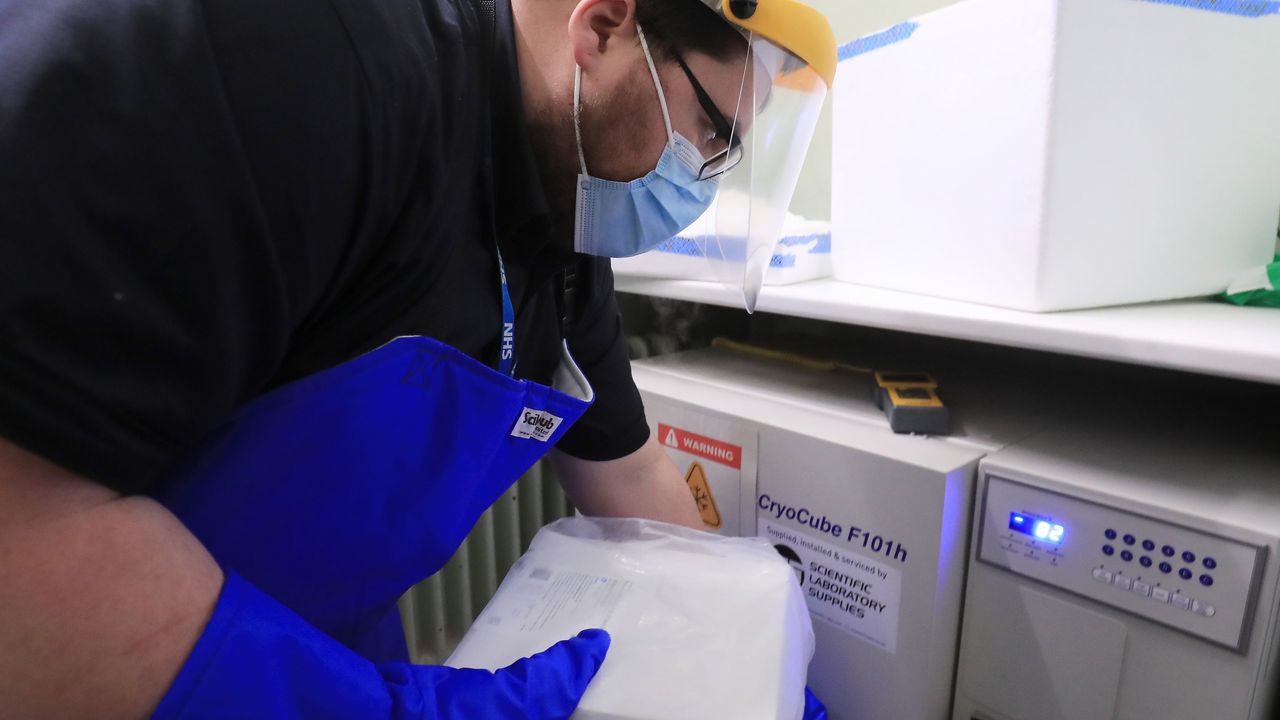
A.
pixel 1037 527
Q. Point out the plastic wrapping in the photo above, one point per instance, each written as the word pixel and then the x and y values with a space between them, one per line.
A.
pixel 703 626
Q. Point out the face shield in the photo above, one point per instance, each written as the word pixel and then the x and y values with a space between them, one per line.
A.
pixel 788 70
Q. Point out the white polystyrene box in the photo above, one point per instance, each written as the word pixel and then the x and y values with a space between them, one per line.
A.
pixel 1056 154
pixel 701 625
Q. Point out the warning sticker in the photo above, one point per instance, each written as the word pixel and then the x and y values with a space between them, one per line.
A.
pixel 856 594
pixel 718 462
pixel 701 489
pixel 704 447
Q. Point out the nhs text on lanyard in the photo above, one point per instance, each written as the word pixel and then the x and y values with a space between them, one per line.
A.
pixel 507 358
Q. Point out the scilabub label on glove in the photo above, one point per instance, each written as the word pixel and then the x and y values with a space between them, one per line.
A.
pixel 539 425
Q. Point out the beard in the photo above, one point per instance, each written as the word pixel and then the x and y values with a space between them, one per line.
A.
pixel 557 158
pixel 614 132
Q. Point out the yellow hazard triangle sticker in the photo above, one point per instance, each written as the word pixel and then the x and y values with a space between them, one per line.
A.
pixel 697 480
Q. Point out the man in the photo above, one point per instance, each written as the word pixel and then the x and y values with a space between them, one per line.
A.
pixel 218 465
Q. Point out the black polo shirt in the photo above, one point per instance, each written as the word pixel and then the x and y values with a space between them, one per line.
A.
pixel 200 201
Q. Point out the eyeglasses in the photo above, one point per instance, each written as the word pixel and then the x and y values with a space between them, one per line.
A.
pixel 728 158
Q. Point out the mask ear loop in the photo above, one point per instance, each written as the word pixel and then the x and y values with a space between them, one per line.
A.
pixel 577 115
pixel 662 97
pixel 747 66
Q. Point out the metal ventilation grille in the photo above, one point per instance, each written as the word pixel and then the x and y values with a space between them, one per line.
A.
pixel 437 611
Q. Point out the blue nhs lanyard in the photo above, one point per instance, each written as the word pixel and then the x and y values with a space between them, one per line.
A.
pixel 507 356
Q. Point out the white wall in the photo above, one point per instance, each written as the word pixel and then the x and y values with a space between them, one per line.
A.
pixel 850 19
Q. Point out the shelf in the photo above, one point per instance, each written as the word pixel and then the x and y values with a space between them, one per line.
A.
pixel 1198 336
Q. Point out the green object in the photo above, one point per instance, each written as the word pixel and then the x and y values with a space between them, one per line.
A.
pixel 1259 287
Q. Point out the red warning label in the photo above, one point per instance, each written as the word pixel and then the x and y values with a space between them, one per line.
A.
pixel 702 446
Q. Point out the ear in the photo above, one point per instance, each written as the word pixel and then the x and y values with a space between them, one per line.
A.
pixel 598 26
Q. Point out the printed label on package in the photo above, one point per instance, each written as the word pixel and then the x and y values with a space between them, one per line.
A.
pixel 541 596
pixel 856 594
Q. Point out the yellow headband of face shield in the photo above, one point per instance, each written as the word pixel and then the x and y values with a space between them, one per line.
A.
pixel 800 29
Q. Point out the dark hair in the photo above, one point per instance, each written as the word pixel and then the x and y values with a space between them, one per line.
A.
pixel 683 26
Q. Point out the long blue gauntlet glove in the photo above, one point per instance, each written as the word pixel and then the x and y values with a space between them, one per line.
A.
pixel 257 659
pixel 813 707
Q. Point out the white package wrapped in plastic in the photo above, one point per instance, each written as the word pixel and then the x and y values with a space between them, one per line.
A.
pixel 703 626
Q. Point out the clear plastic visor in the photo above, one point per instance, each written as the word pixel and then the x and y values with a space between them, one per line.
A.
pixel 759 168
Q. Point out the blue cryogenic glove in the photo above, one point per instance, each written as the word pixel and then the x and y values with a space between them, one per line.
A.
pixel 258 659
pixel 813 707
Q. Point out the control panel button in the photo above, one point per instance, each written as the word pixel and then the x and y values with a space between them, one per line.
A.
pixel 1108 550
pixel 1166 568
pixel 1111 534
pixel 1129 539
pixel 1122 581
pixel 1203 608
pixel 1148 545
pixel 1125 555
pixel 1167 550
pixel 1101 575
pixel 1146 561
pixel 1141 588
pixel 1206 580
pixel 1188 556
pixel 1181 601
pixel 1184 573
pixel 1160 594
pixel 1210 563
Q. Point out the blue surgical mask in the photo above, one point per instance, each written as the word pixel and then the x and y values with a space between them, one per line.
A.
pixel 621 219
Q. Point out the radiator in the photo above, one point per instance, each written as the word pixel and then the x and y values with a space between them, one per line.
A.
pixel 437 611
